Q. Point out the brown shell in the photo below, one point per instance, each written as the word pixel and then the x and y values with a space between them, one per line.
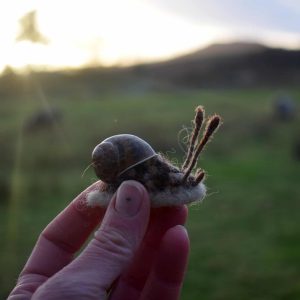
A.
pixel 119 153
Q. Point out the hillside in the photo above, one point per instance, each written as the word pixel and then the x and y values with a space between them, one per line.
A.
pixel 231 65
pixel 220 50
pixel 235 64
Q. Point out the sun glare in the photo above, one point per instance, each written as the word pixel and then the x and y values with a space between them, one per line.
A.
pixel 90 31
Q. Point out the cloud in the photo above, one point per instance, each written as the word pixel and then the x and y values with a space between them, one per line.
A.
pixel 280 15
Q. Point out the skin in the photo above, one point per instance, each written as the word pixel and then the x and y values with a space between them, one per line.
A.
pixel 136 252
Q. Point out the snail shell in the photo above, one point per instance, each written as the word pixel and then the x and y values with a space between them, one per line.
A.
pixel 117 154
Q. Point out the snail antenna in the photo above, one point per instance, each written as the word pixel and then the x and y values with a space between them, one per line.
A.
pixel 212 125
pixel 85 170
pixel 199 177
pixel 198 120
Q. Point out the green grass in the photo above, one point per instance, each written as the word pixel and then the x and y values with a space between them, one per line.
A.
pixel 244 236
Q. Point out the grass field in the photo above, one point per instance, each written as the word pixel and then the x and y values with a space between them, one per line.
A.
pixel 245 237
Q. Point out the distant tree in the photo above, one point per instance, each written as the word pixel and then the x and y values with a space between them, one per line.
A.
pixel 10 83
pixel 29 29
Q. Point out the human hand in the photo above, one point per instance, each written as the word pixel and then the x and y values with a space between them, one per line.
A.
pixel 134 254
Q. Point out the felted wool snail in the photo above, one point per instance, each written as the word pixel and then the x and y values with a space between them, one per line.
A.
pixel 128 157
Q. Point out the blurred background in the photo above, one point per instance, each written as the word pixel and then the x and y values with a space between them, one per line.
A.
pixel 74 73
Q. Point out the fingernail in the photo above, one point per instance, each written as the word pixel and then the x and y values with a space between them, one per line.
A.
pixel 183 229
pixel 129 199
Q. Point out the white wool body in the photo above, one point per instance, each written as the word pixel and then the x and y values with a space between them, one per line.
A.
pixel 168 197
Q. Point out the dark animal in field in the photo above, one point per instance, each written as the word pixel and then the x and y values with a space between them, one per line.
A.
pixel 43 119
pixel 284 108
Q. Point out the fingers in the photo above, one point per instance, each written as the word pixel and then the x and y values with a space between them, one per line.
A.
pixel 64 236
pixel 112 248
pixel 133 280
pixel 165 280
pixel 58 242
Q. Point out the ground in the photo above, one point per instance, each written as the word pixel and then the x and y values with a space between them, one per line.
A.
pixel 244 236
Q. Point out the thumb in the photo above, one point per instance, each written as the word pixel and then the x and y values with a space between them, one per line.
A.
pixel 113 247
pixel 119 235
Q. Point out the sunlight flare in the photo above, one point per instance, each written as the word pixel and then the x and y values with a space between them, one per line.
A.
pixel 98 32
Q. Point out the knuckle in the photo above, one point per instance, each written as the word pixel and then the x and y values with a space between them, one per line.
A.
pixel 66 287
pixel 115 242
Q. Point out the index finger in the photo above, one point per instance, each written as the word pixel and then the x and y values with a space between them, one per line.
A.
pixel 64 236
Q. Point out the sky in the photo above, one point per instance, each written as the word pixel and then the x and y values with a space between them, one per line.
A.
pixel 122 32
